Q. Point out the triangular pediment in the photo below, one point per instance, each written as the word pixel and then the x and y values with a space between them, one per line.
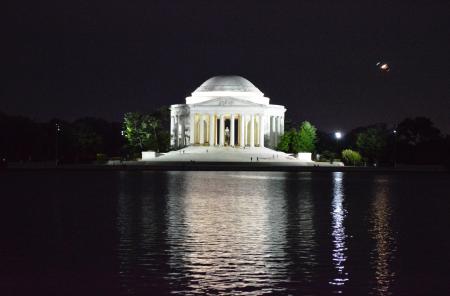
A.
pixel 227 101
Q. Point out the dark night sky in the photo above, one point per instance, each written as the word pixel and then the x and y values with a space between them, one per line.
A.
pixel 317 57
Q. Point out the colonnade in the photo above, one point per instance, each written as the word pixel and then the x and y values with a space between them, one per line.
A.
pixel 276 129
pixel 177 131
pixel 226 129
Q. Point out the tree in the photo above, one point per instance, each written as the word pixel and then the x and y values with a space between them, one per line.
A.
pixel 302 141
pixel 371 143
pixel 163 116
pixel 350 157
pixel 144 132
pixel 87 141
pixel 151 124
pixel 447 148
pixel 307 138
pixel 295 144
pixel 327 155
pixel 417 131
pixel 325 142
pixel 285 144
pixel 136 131
pixel 162 133
pixel 419 141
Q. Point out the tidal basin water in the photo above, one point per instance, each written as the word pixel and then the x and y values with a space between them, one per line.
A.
pixel 225 233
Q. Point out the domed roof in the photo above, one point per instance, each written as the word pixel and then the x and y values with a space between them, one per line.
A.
pixel 227 87
pixel 233 84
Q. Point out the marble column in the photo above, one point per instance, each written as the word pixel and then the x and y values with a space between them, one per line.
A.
pixel 172 131
pixel 261 130
pixel 272 131
pixel 222 129
pixel 183 129
pixel 232 130
pixel 202 130
pixel 216 129
pixel 192 128
pixel 277 130
pixel 279 127
pixel 176 131
pixel 252 131
pixel 242 133
pixel 211 129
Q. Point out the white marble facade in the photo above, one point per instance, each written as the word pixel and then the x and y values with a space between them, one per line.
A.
pixel 226 111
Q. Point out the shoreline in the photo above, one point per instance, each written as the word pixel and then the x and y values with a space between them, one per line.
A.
pixel 222 166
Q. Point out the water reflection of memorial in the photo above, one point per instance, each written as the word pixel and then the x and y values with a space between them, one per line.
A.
pixel 229 238
pixel 243 233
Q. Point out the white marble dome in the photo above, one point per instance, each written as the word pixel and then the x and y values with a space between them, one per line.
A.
pixel 233 84
pixel 227 87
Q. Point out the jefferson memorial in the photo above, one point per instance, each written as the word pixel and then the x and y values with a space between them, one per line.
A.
pixel 226 111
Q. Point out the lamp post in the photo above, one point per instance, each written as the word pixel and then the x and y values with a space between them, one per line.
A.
pixel 122 150
pixel 337 136
pixel 395 147
pixel 57 131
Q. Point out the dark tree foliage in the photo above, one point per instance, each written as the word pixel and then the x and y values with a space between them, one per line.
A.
pixel 419 130
pixel 289 124
pixel 420 142
pixel 325 142
pixel 23 140
pixel 163 116
pixel 446 148
pixel 372 143
pixel 417 140
pixel 94 136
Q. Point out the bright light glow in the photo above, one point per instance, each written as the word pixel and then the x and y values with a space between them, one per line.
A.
pixel 383 67
pixel 338 135
pixel 395 131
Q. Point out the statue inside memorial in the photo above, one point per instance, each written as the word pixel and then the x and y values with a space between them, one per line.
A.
pixel 227 136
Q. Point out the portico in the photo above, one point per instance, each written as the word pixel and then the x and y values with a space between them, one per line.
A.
pixel 230 129
pixel 227 111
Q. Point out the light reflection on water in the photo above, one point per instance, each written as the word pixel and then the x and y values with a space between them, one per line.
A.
pixel 227 231
pixel 381 230
pixel 240 233
pixel 338 213
pixel 160 233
